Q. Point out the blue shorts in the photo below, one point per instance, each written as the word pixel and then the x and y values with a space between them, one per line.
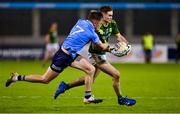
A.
pixel 60 61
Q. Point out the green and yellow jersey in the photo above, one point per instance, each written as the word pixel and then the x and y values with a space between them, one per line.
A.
pixel 53 36
pixel 104 32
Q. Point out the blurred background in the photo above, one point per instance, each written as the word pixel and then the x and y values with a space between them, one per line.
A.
pixel 24 24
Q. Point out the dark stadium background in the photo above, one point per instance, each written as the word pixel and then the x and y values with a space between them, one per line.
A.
pixel 27 27
pixel 155 86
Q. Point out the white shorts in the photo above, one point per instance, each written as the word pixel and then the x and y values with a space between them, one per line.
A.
pixel 96 58
pixel 52 47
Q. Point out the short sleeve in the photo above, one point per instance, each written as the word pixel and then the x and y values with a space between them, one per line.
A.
pixel 95 38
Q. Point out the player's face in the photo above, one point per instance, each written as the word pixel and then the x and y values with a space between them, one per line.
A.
pixel 54 27
pixel 108 16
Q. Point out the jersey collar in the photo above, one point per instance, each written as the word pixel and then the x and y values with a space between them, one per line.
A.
pixel 91 24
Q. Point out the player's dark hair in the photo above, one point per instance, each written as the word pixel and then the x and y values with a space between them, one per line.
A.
pixel 95 15
pixel 105 9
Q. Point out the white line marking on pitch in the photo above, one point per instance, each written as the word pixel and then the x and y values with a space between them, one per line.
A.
pixel 38 97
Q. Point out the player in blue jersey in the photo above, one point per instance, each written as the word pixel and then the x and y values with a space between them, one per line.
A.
pixel 82 33
pixel 97 58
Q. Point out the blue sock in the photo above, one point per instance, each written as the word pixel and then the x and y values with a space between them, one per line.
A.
pixel 87 94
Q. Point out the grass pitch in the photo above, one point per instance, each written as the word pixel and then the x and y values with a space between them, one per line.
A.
pixel 156 87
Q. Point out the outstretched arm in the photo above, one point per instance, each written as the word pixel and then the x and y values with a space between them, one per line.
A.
pixel 121 38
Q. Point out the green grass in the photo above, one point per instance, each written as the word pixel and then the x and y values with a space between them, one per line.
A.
pixel 156 87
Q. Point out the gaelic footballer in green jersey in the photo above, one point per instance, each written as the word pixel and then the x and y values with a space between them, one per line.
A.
pixel 98 58
pixel 53 35
pixel 52 38
pixel 104 32
pixel 52 45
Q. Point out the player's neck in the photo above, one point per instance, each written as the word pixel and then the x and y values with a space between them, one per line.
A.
pixel 105 23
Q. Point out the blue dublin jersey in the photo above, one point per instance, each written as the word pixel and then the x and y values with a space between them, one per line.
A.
pixel 82 33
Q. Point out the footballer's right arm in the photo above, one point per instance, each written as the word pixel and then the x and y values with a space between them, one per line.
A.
pixel 121 38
